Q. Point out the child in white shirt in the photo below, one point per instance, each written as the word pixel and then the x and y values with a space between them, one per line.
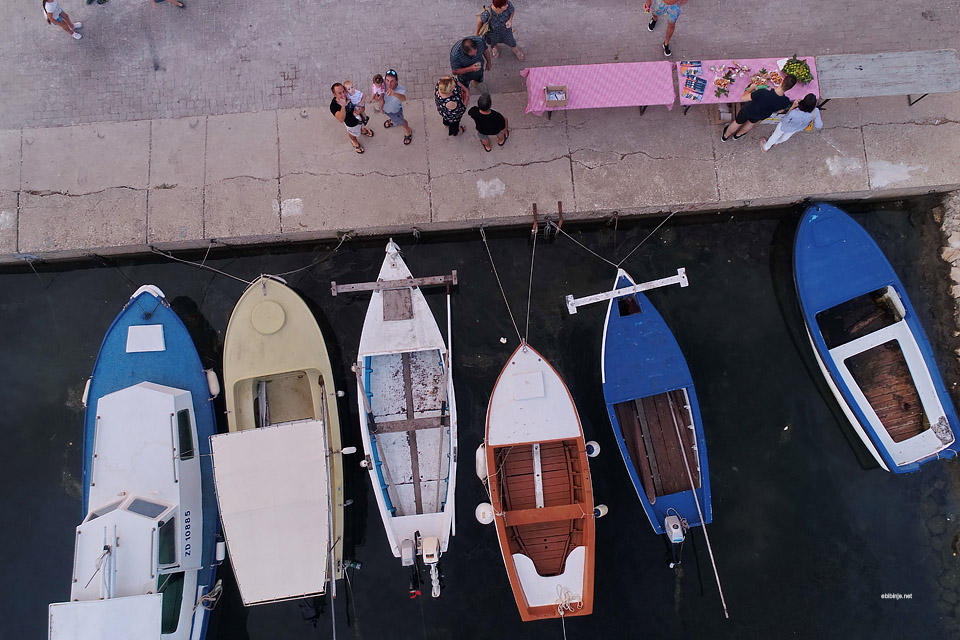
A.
pixel 356 97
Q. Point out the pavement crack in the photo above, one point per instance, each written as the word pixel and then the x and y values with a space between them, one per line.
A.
pixel 317 174
pixel 43 193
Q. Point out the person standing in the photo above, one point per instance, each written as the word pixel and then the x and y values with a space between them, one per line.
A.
pixel 391 104
pixel 799 117
pixel 489 122
pixel 342 109
pixel 468 58
pixel 500 17
pixel 451 99
pixel 668 8
pixel 56 15
pixel 760 104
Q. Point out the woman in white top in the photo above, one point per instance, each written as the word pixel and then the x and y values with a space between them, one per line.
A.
pixel 798 118
pixel 56 15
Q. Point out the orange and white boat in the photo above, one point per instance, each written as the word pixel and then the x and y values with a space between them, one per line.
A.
pixel 534 462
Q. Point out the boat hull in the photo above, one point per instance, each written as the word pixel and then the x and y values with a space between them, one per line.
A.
pixel 177 365
pixel 869 343
pixel 540 489
pixel 654 412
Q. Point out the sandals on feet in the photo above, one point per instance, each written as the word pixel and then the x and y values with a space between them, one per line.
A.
pixel 506 134
pixel 367 132
pixel 486 148
pixel 387 124
pixel 358 148
pixel 408 139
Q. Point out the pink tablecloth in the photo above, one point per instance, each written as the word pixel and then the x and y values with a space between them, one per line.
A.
pixel 590 86
pixel 737 88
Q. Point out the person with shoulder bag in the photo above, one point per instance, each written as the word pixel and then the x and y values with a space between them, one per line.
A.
pixel 496 26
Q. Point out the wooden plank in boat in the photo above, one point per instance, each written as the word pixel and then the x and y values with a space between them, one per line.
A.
pixel 626 413
pixel 546 514
pixel 414 424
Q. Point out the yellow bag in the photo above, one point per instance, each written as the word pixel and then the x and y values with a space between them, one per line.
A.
pixel 484 26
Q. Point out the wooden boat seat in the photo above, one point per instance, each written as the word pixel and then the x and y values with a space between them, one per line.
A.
pixel 558 513
pixel 412 424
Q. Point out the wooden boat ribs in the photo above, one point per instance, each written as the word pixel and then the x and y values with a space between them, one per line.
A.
pixel 546 534
pixel 651 439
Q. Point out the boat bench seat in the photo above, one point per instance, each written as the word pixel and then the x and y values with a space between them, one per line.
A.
pixel 558 513
pixel 412 424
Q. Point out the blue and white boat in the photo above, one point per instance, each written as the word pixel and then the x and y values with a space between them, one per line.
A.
pixel 146 550
pixel 653 408
pixel 869 343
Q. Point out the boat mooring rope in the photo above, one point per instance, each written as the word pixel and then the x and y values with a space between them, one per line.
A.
pixel 696 500
pixel 566 601
pixel 533 255
pixel 483 236
pixel 613 264
pixel 167 254
pixel 209 600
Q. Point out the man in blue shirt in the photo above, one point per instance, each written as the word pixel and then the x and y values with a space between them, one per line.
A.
pixel 468 57
pixel 391 104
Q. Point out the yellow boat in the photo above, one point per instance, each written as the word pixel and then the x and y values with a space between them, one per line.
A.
pixel 279 470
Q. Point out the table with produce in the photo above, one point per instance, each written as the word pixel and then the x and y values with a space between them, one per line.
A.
pixel 716 81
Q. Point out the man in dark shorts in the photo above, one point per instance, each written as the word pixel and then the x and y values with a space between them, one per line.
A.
pixel 759 104
pixel 489 122
pixel 467 59
pixel 342 109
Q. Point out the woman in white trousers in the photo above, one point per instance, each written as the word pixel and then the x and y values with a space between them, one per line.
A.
pixel 798 118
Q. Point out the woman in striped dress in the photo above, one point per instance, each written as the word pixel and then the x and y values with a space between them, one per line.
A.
pixel 500 14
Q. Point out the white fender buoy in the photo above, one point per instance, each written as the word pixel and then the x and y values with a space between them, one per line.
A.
pixel 213 383
pixel 593 449
pixel 481 463
pixel 600 510
pixel 348 451
pixel 364 463
pixel 221 551
pixel 340 393
pixel 86 392
pixel 484 513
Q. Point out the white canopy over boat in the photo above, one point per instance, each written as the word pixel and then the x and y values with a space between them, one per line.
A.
pixel 273 491
pixel 131 618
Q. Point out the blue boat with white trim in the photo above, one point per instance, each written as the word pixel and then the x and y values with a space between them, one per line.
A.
pixel 652 405
pixel 146 550
pixel 869 343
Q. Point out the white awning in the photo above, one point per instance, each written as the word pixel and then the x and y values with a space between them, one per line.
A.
pixel 273 492
pixel 132 617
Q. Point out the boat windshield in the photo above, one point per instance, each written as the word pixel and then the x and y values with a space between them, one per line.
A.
pixel 860 316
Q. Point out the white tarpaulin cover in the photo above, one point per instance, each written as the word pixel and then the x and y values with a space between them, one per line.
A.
pixel 132 618
pixel 273 492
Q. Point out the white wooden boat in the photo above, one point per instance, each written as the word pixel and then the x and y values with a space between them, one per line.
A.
pixel 534 460
pixel 279 472
pixel 408 418
pixel 145 553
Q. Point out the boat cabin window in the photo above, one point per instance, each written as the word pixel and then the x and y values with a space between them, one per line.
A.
pixel 860 316
pixel 146 508
pixel 167 543
pixel 171 586
pixel 102 511
pixel 628 306
pixel 185 434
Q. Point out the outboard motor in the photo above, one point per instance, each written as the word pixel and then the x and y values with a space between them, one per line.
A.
pixel 675 531
pixel 408 558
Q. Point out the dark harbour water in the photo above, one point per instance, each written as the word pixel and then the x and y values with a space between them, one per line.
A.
pixel 807 540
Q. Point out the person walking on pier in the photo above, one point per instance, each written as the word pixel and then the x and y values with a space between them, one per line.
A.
pixel 668 8
pixel 499 18
pixel 56 15
pixel 801 115
pixel 342 109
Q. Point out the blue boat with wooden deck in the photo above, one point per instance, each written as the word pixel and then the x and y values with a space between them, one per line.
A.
pixel 653 408
pixel 869 343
